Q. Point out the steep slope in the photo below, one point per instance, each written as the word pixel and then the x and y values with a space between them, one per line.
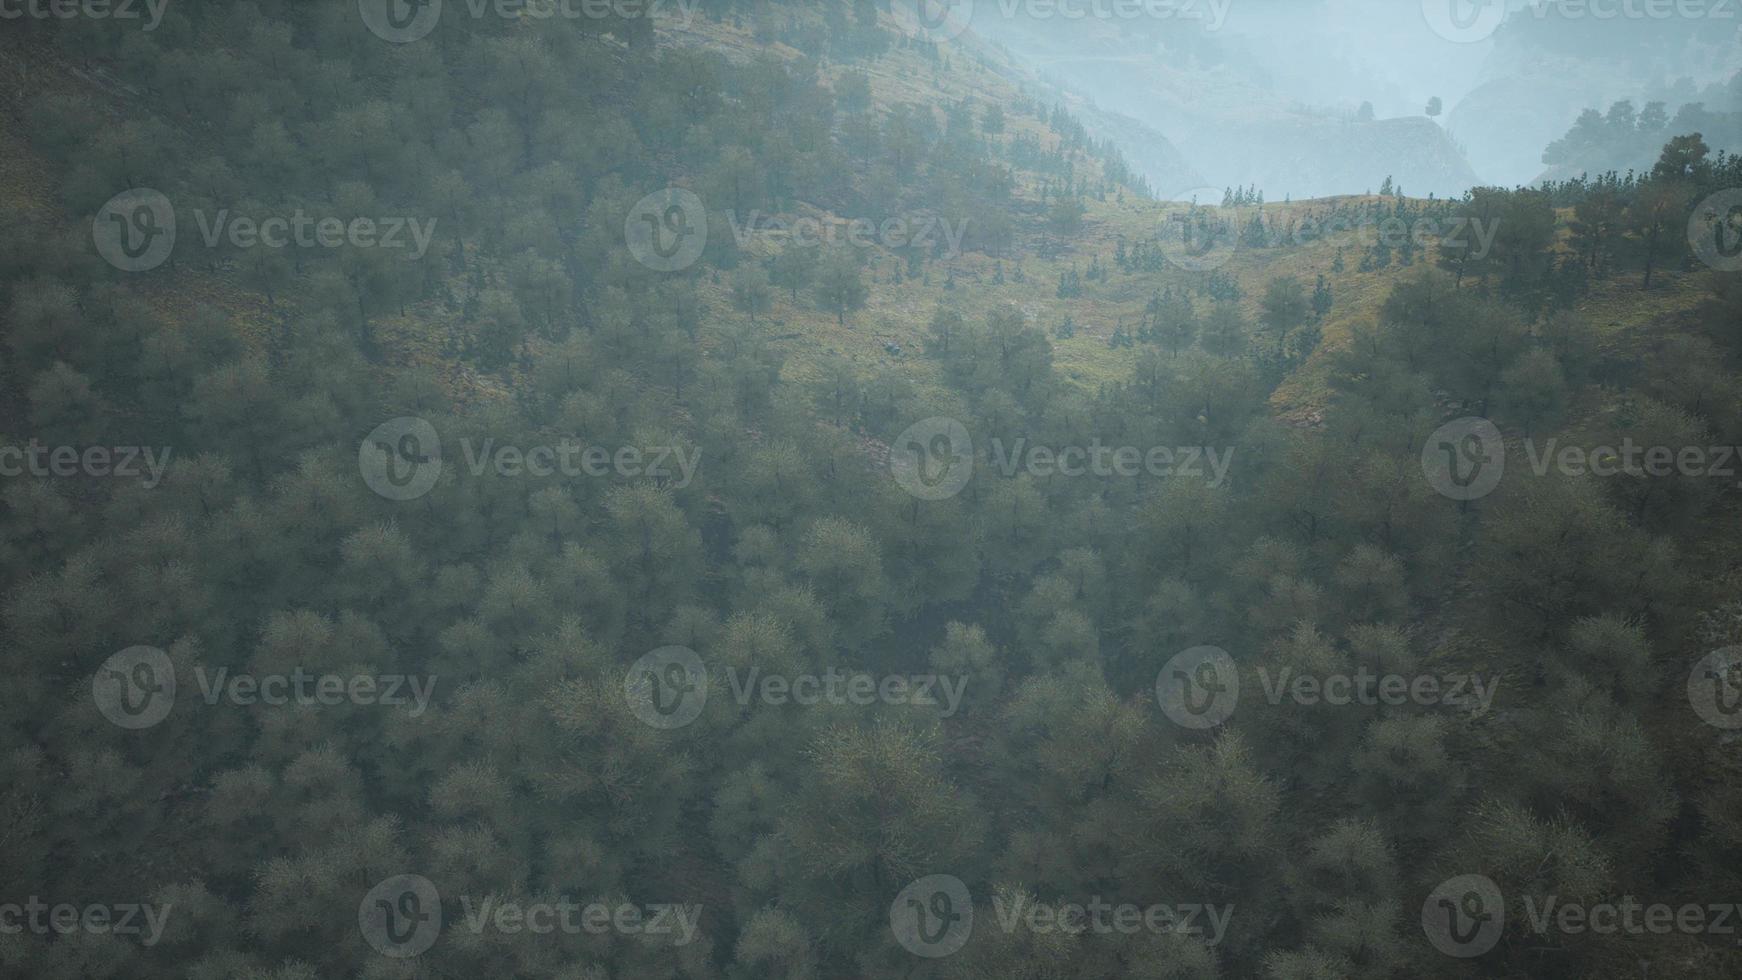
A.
pixel 357 493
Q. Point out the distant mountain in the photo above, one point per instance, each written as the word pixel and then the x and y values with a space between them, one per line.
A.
pixel 1229 125
pixel 1544 72
pixel 1630 135
pixel 1149 153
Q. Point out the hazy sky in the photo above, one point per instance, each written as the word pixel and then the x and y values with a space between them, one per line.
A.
pixel 1235 84
pixel 1349 51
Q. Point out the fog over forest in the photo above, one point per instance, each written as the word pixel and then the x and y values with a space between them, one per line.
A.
pixel 874 489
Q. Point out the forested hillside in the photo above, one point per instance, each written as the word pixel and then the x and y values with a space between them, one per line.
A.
pixel 762 490
pixel 1627 136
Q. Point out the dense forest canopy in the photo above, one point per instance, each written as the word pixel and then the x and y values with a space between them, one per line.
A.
pixel 742 490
